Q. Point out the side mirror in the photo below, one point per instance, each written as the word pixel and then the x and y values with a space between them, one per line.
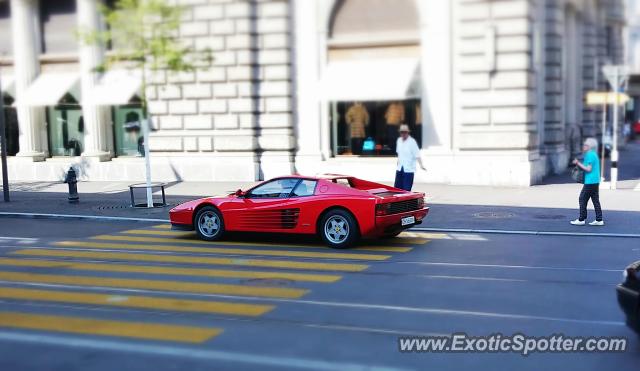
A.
pixel 239 193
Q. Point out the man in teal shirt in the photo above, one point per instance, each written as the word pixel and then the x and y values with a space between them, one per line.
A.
pixel 591 187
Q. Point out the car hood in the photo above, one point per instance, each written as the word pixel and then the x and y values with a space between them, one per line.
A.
pixel 191 205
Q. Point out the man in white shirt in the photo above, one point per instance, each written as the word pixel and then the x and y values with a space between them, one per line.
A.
pixel 408 153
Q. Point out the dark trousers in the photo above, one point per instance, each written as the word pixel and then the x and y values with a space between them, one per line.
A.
pixel 356 146
pixel 590 191
pixel 403 180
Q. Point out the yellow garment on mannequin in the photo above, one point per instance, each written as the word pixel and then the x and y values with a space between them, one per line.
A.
pixel 395 114
pixel 357 117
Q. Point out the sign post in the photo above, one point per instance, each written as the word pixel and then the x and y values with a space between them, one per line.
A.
pixel 596 98
pixel 617 76
pixel 602 133
pixel 3 150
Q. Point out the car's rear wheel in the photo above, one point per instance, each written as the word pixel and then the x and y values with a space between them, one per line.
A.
pixel 339 229
pixel 209 224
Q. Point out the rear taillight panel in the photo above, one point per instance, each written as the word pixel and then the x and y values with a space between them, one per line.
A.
pixel 382 209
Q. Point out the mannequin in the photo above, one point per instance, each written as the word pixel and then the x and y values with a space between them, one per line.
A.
pixel 394 117
pixel 357 118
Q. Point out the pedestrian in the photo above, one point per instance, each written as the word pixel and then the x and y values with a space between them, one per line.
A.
pixel 408 153
pixel 590 189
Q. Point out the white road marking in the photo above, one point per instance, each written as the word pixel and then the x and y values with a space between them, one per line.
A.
pixel 183 352
pixel 19 240
pixel 512 266
pixel 417 229
pixel 525 232
pixel 395 308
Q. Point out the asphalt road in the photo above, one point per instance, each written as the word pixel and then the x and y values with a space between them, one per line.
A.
pixel 81 295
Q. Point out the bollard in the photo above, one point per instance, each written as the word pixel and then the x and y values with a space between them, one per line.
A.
pixel 72 180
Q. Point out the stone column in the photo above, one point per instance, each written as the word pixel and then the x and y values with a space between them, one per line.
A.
pixel 26 49
pixel 436 39
pixel 306 48
pixel 95 122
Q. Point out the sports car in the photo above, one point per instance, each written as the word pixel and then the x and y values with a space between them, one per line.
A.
pixel 340 209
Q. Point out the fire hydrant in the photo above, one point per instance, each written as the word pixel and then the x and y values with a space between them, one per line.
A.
pixel 72 180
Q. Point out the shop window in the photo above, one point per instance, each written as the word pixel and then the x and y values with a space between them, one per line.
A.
pixel 5 30
pixel 59 23
pixel 128 129
pixel 11 130
pixel 371 128
pixel 66 128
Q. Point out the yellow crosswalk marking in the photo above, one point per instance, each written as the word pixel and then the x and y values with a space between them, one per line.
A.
pixel 220 250
pixel 160 232
pixel 407 240
pixel 146 302
pixel 198 272
pixel 384 248
pixel 193 287
pixel 89 326
pixel 162 226
pixel 236 243
pixel 196 260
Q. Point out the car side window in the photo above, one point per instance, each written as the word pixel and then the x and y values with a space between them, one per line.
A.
pixel 279 188
pixel 304 188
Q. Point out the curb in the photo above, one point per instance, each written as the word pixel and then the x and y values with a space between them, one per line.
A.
pixel 79 217
pixel 418 229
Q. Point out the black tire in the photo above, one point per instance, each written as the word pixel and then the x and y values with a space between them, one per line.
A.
pixel 205 224
pixel 345 229
pixel 636 326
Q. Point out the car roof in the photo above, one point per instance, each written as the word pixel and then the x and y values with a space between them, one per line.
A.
pixel 314 177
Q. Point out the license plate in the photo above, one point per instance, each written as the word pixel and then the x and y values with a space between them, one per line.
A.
pixel 407 220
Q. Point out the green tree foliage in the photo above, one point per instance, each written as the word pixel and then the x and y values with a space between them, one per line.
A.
pixel 143 35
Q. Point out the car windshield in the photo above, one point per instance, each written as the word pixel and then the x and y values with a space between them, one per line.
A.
pixel 279 188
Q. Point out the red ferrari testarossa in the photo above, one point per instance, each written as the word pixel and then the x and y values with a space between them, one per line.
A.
pixel 341 209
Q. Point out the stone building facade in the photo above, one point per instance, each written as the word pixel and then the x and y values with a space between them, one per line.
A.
pixel 493 90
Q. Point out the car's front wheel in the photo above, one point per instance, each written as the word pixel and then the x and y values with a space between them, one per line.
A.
pixel 339 229
pixel 209 224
